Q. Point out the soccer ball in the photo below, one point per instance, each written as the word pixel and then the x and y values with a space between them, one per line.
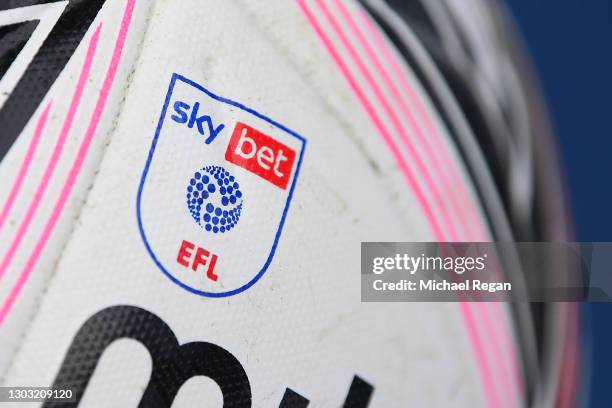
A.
pixel 185 186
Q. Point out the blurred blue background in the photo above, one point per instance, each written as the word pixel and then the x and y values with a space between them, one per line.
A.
pixel 570 43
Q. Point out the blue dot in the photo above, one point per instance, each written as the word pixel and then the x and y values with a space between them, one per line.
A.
pixel 210 207
pixel 232 178
pixel 223 221
pixel 225 213
pixel 222 190
pixel 215 220
pixel 222 229
pixel 224 200
pixel 238 193
pixel 226 181
pixel 232 199
pixel 189 188
pixel 230 189
pixel 219 182
pixel 192 182
pixel 215 230
pixel 197 176
pixel 205 179
pixel 200 201
pixel 218 211
pixel 211 188
pixel 208 227
pixel 207 217
pixel 205 194
pixel 236 185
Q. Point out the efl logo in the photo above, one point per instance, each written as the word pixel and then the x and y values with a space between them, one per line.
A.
pixel 215 190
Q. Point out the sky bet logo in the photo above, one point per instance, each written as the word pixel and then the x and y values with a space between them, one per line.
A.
pixel 260 154
pixel 215 190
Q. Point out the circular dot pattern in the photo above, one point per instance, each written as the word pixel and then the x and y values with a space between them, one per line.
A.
pixel 214 199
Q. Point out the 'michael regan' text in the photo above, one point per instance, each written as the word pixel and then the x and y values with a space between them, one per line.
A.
pixel 432 285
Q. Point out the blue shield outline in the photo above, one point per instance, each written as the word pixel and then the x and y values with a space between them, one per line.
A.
pixel 158 129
